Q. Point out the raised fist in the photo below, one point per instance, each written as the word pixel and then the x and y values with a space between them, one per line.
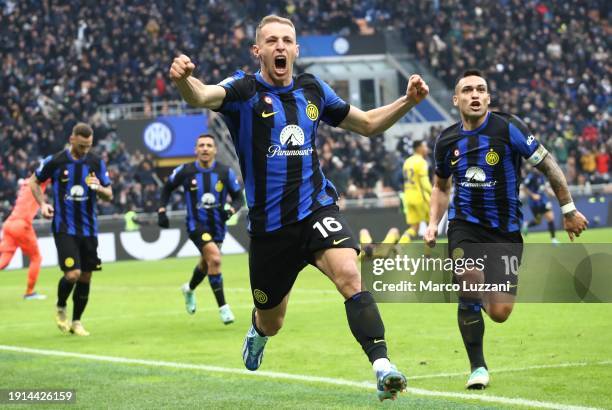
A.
pixel 181 68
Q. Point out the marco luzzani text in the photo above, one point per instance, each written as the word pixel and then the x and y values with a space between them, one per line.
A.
pixel 412 267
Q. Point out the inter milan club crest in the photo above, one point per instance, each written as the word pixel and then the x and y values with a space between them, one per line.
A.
pixel 268 100
pixel 219 186
pixel 312 111
pixel 492 157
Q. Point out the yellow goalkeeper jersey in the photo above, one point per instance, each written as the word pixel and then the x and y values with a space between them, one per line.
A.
pixel 417 188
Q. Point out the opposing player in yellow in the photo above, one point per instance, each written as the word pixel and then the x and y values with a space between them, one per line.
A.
pixel 417 190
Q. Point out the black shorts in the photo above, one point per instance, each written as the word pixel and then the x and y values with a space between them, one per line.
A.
pixel 276 258
pixel 500 252
pixel 77 252
pixel 201 237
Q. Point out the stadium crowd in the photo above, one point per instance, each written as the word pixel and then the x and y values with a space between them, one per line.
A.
pixel 548 62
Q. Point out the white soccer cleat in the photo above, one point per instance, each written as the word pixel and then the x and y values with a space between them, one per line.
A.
pixel 226 314
pixel 478 380
pixel 34 296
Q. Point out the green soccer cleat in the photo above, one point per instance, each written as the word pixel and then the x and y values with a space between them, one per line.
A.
pixel 389 383
pixel 478 380
pixel 190 300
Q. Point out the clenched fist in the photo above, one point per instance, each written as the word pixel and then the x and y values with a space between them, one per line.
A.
pixel 417 89
pixel 181 68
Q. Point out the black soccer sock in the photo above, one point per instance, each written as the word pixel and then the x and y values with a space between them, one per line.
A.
pixel 216 284
pixel 471 326
pixel 80 297
pixel 551 229
pixel 64 287
pixel 197 277
pixel 366 324
pixel 254 323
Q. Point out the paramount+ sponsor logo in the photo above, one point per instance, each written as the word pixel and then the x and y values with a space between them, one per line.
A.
pixel 291 140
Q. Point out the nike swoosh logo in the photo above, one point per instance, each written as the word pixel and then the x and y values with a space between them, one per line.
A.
pixel 379 340
pixel 471 323
pixel 267 114
pixel 454 162
pixel 339 241
pixel 64 180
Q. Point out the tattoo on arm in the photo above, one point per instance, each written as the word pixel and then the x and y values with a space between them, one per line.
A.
pixel 555 176
pixel 36 191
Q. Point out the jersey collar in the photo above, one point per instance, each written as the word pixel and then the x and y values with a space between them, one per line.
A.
pixel 261 80
pixel 201 168
pixel 71 158
pixel 476 130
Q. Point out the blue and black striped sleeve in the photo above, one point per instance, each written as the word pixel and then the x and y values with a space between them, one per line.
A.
pixel 441 151
pixel 335 109
pixel 235 190
pixel 174 180
pixel 103 174
pixel 523 141
pixel 45 169
pixel 237 89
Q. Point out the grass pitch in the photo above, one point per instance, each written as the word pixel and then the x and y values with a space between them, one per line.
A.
pixel 559 354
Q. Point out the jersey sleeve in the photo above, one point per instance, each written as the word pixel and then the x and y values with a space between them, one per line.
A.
pixel 103 174
pixel 45 169
pixel 177 176
pixel 237 89
pixel 523 141
pixel 233 183
pixel 441 151
pixel 335 109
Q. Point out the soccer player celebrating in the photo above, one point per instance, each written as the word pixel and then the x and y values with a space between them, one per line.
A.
pixel 534 186
pixel 206 184
pixel 18 232
pixel 293 218
pixel 417 190
pixel 481 154
pixel 78 178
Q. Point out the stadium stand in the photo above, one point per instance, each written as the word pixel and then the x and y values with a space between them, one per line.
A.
pixel 548 62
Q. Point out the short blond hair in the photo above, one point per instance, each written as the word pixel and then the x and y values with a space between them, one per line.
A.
pixel 271 18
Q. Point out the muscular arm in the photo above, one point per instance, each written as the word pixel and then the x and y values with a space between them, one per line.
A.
pixel 440 197
pixel 377 120
pixel 194 91
pixel 198 94
pixel 105 193
pixel 573 221
pixel 36 191
pixel 557 181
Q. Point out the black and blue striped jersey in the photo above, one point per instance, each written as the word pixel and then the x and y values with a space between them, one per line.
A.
pixel 205 191
pixel 485 165
pixel 73 201
pixel 535 182
pixel 274 132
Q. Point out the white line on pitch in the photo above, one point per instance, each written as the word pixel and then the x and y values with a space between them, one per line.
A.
pixel 516 369
pixel 298 377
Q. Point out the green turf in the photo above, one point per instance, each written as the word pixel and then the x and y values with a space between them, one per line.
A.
pixel 136 311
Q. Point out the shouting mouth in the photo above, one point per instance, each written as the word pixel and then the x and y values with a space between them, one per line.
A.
pixel 280 64
pixel 475 105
